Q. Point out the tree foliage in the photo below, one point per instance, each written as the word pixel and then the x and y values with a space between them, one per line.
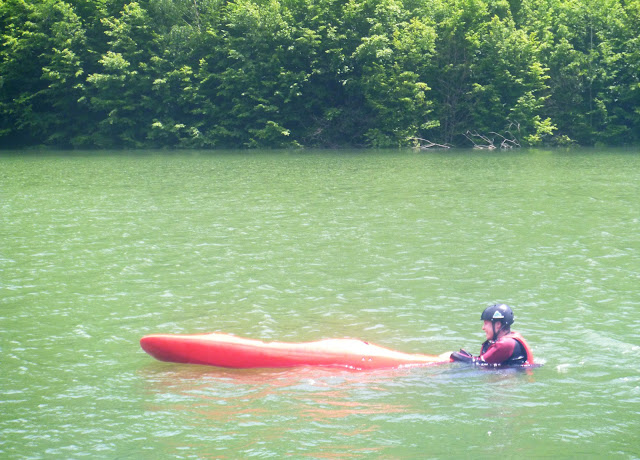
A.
pixel 282 73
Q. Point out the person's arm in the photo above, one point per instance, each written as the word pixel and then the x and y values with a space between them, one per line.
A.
pixel 498 352
pixel 463 356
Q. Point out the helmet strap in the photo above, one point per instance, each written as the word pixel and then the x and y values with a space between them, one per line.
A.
pixel 495 333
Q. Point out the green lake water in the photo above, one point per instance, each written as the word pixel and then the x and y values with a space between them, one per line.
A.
pixel 400 248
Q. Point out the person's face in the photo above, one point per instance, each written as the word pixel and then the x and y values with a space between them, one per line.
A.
pixel 487 327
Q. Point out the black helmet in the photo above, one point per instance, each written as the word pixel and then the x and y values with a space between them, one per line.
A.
pixel 499 312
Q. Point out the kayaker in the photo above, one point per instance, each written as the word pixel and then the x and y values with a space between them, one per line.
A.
pixel 503 346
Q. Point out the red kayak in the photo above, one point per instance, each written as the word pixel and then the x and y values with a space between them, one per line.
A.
pixel 226 350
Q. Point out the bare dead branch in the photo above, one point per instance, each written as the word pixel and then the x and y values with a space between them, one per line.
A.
pixel 507 143
pixel 480 141
pixel 420 143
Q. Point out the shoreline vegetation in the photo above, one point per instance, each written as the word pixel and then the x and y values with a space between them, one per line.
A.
pixel 216 74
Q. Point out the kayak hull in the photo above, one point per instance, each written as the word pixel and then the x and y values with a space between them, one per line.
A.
pixel 225 350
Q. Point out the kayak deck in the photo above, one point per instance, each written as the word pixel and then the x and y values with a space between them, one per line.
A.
pixel 225 350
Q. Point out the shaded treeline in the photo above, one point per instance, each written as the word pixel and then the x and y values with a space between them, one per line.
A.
pixel 268 73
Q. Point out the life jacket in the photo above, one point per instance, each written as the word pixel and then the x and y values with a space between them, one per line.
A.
pixel 525 346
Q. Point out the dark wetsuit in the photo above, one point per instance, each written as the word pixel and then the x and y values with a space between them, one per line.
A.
pixel 505 350
pixel 509 350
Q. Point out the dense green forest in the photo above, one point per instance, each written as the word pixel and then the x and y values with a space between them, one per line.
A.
pixel 321 73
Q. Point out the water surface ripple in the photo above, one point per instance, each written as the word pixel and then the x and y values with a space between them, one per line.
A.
pixel 399 248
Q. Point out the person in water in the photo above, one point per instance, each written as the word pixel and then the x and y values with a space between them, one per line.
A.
pixel 503 346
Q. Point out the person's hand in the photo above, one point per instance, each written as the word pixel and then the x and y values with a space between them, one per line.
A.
pixel 462 356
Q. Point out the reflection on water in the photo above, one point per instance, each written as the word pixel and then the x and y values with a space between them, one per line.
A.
pixel 327 408
pixel 305 403
pixel 397 248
